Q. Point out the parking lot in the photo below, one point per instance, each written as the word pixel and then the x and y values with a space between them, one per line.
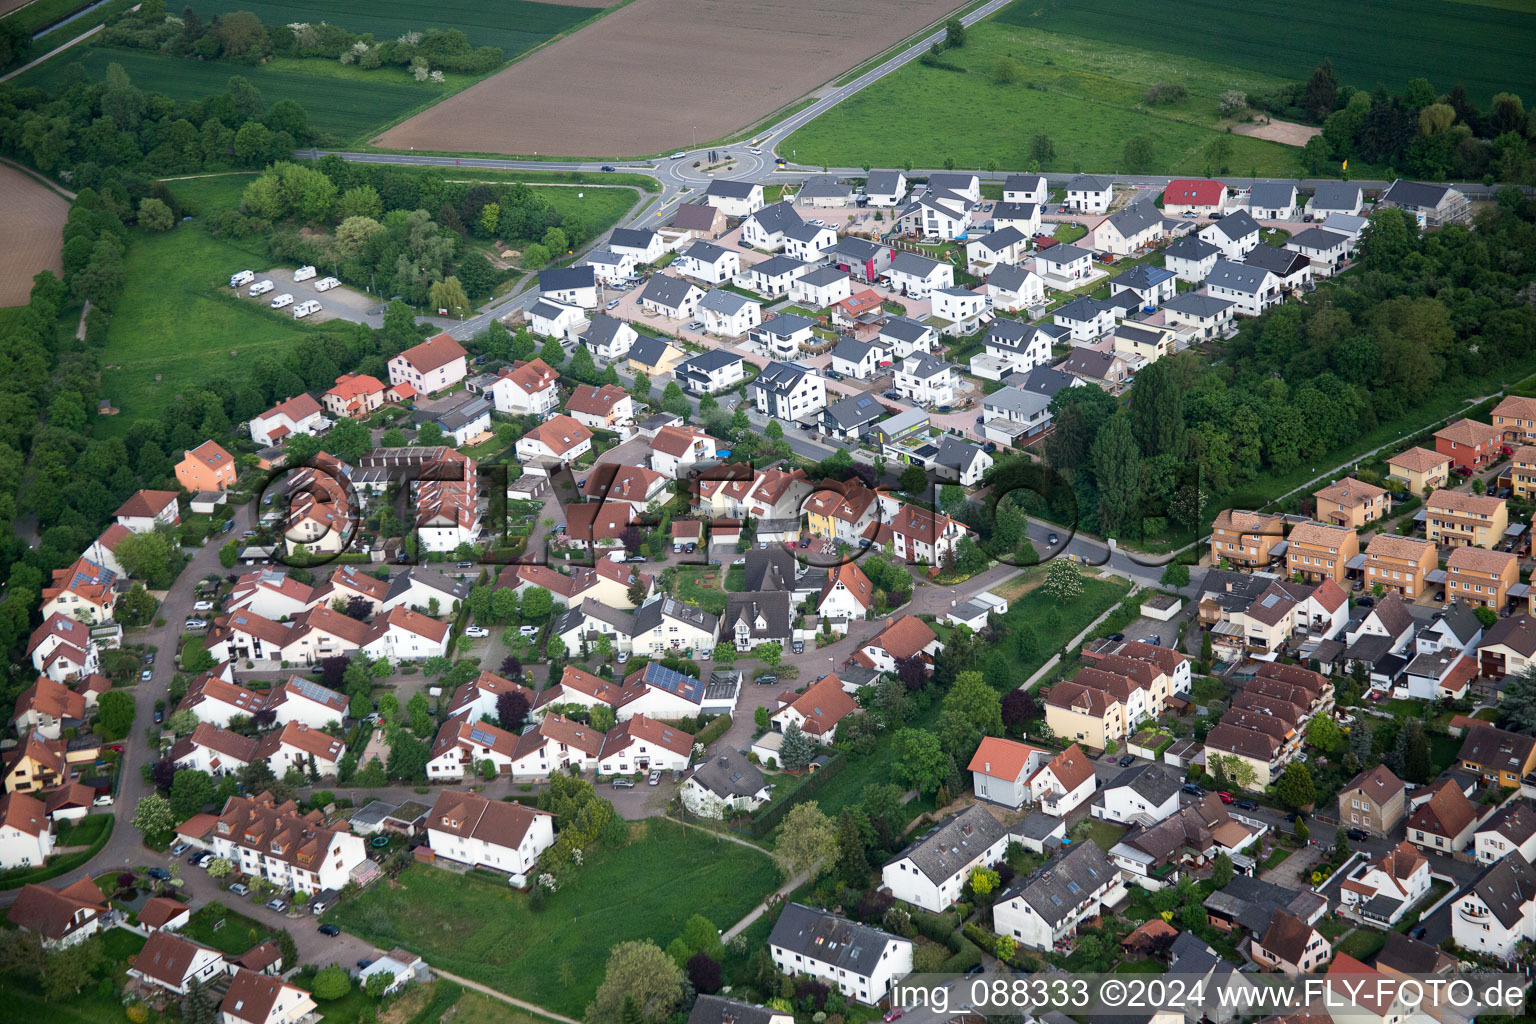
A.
pixel 339 303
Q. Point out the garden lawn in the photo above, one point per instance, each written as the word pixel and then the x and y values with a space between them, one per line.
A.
pixel 514 25
pixel 25 1001
pixel 232 939
pixel 1055 624
pixel 1276 858
pixel 1362 944
pixel 1486 48
pixel 700 587
pixel 479 1008
pixel 345 104
pixel 480 928
pixel 1088 99
pixel 1105 833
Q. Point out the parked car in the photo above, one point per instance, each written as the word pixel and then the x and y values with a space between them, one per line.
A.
pixel 1418 933
pixel 655 777
pixel 177 849
pixel 159 874
pixel 146 675
pixel 621 782
pixel 202 606
pixel 476 632
pixel 696 325
pixel 277 906
pixel 105 800
pixel 329 929
pixel 1358 835
pixel 612 304
pixel 797 646
pixel 1440 595
pixel 240 889
pixel 159 717
pixel 195 624
pixel 1116 637
pixel 975 968
pixel 1193 790
pixel 1127 760
pixel 894 1013
pixel 527 630
pixel 1225 797
pixel 768 680
pixel 364 962
pixel 1247 805
pixel 1050 538
pixel 1366 602
pixel 622 657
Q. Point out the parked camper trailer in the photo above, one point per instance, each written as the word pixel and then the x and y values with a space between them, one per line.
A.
pixel 303 309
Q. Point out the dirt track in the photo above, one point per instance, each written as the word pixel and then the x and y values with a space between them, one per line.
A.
pixel 1287 132
pixel 657 74
pixel 34 220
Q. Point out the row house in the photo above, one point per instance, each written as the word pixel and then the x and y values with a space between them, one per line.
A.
pixel 293 851
pixel 1045 907
pixel 471 829
pixel 1400 565
pixel 1476 576
pixel 931 872
pixel 1455 517
pixel 1319 551
pixel 861 961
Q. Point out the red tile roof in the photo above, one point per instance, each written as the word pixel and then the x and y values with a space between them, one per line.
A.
pixel 439 350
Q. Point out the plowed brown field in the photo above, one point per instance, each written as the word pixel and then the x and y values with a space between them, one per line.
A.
pixel 657 74
pixel 34 222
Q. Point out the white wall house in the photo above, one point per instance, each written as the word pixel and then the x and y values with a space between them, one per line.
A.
pixel 932 871
pixel 957 305
pixel 502 836
pixel 705 261
pixel 788 392
pixel 1089 193
pixel 860 961
pixel 1498 910
pixel 917 276
pixel 273 842
pixel 26 834
pixel 1049 905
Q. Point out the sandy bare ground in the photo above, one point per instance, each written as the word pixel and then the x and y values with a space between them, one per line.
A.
pixel 658 74
pixel 1285 132
pixel 7 6
pixel 33 216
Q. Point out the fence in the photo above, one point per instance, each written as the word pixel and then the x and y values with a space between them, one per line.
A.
pixel 769 819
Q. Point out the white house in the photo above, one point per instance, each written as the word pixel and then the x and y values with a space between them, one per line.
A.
pixel 464 744
pixel 785 391
pixel 931 873
pixel 820 287
pixel 1381 890
pixel 1127 230
pixel 432 366
pixel 271 594
pixel 405 635
pixel 644 245
pixel 610 267
pixel 1011 346
pixel 215 700
pixel 937 214
pixel 1046 906
pixel 559 438
pixel 1086 319
pixel 1065 262
pixel 641 744
pixel 773 277
pixel 1090 193
pixel 304 702
pixel 144 510
pixel 1326 249
pixel 764 229
pixel 926 380
pixel 959 306
pixel 1025 217
pixel 905 336
pixel 1191 258
pixel 907 637
pixel 815 712
pixel 574 286
pixel 1013 288
pixel 1498 910
pixel 292 851
pixel 214 750
pixel 1025 188
pixel 858 359
pixel 1251 290
pixel 1012 414
pixel 1511 830
pixel 1332 197
pixel 299 746
pixel 1272 200
pixel 1204 316
pixel 1004 245
pixel 298 415
pixel 734 198
pixel 675 449
pixel 26 833
pixel 608 338
pixel 1235 235
pixel 471 829
pixel 1143 794
pixel 917 276
pixel 665 624
pixel 173 963
pixel 556 744
pixel 885 188
pixel 724 784
pixel 705 261
pixel 523 389
pixel 1198 197
pixel 257 998
pixel 672 297
pixel 1151 286
pixel 1066 782
pixel 862 962
pixel 711 372
pixel 824 190
pixel 808 241
pixel 1001 770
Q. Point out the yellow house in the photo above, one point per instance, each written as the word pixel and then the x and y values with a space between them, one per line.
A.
pixel 1245 539
pixel 1092 717
pixel 1351 503
pixel 1454 517
pixel 1419 469
pixel 1144 340
pixel 653 356
pixel 1255 749
pixel 1515 418
pixel 1522 471
pixel 1319 551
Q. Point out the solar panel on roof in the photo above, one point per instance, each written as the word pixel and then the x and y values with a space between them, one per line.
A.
pixel 482 737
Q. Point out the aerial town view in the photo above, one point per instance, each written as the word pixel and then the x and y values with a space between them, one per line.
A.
pixel 700 512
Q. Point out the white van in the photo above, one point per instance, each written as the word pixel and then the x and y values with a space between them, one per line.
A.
pixel 325 284
pixel 282 300
pixel 678 156
pixel 304 273
pixel 303 309
pixel 261 288
pixel 241 279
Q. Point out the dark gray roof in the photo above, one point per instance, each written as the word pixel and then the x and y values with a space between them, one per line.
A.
pixel 631 238
pixel 1136 218
pixel 1415 194
pixel 905 329
pixel 1044 380
pixel 727 774
pixel 1089 362
pixel 1507 887
pixel 619 618
pixel 1152 782
pixel 856 249
pixel 1063 253
pixel 1240 277
pixel 807 232
pixel 785 325
pixel 1009 277
pixel 953 845
pixel 923 365
pixel 780 377
pixel 725 188
pixel 720 1010
pixel 771 608
pixel 824 186
pixel 1001 239
pixel 883 183
pixel 1272 195
pixel 1010 334
pixel 1039 826
pixel 549 310
pixel 1191 955
pixel 1335 195
pixel 912 263
pixel 1192 248
pixel 778 265
pixel 769 569
pixel 1280 262
pixel 1461 621
pixel 1237 225
pixel 560 278
pixel 456 590
pixel 1059 888
pixel 1142 277
pixel 954 181
pixel 1082 309
pixel 725 302
pixel 1017 401
pixel 958 454
pixel 1089 183
pixel 705 252
pixel 823 276
pixel 373 812
pixel 852 349
pixel 850 413
pixel 649 615
pixel 774 219
pixel 1318 238
pixel 647 350
pixel 1196 304
pixel 1013 211
pixel 607 257
pixel 1134 332
pixel 469 409
pixel 602 330
pixel 666 290
pixel 1023 182
pixel 714 359
pixel 829 939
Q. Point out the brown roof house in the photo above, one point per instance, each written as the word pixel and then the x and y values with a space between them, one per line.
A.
pixel 1290 945
pixel 1442 819
pixel 1501 757
pixel 59 917
pixel 1352 503
pixel 1372 800
pixel 173 963
pixel 261 999
pixel 505 837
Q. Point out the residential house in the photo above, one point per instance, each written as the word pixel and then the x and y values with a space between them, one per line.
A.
pixel 60 918
pixel 906 336
pixel 764 228
pixel 1064 263
pixel 559 438
pixel 1025 188
pixel 720 1010
pixel 960 307
pixel 1497 912
pixel 523 389
pixel 1012 288
pixel 1468 443
pixel 1457 517
pixel 1507 649
pixel 1041 909
pixel 1515 418
pixel 866 261
pixel 1025 217
pixel 710 372
pixel 559 320
pixel 145 510
pixel 609 339
pixel 786 335
pixel 1245 539
pixel 1326 249
pixel 1441 818
pixel 931 872
pixel 665 624
pixel 653 356
pixel 26 833
pixel 1129 229
pixel 670 297
pixel 84 591
pixel 1432 206
pixel 907 637
pixel 936 214
pixel 1320 551
pixel 862 962
pixel 571 286
pixel 1509 832
pixel 1064 783
pixel 1001 770
pixel 752 619
pixel 1474 576
pixel 1205 317
pixel 729 314
pixel 850 417
pixel 432 366
pixel 298 415
pixel 1290 945
pixel 1012 415
pixel 1142 794
pixel 208 467
pixel 1089 193
pixel 1087 319
pixel 1011 346
pixel 160 913
pixel 1197 197
pixel 1420 470
pixel 675 449
pixel 47 707
pixel 472 829
pixel 644 245
pixel 256 998
pixel 1141 344
pixel 1373 801
pixel 404 635
pixel 1192 258
pixel 847 593
pixel 1106 369
pixel 1330 197
pixel 1522 472
pixel 1350 502
pixel 265 839
pixel 885 188
pixel 608 407
pixel 173 963
pixel 808 241
pixel 1272 200
pixel 1235 235
pixel 641 744
pixel 724 784
pixel 918 277
pixel 556 744
pixel 1251 290
pixel 774 277
pixel 215 750
pixel 1400 564
pixel 1003 245
pixel 609 267
pixel 62 648
pixel 1381 890
pixel 1292 269
pixel 705 261
pixel 926 380
pixel 1498 756
pixel 734 198
pixel 787 392
pixel 858 359
pixel 1152 286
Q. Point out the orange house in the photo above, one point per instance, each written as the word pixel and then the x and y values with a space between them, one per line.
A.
pixel 208 467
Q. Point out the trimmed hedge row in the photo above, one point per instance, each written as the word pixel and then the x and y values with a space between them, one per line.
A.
pixel 768 820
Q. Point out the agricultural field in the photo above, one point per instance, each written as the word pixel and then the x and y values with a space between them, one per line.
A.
pixel 1087 98
pixel 344 103
pixel 480 929
pixel 1486 46
pixel 514 25
pixel 755 58
pixel 34 218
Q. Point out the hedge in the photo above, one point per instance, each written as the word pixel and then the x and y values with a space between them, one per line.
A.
pixel 714 730
pixel 57 866
pixel 937 927
pixel 769 819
